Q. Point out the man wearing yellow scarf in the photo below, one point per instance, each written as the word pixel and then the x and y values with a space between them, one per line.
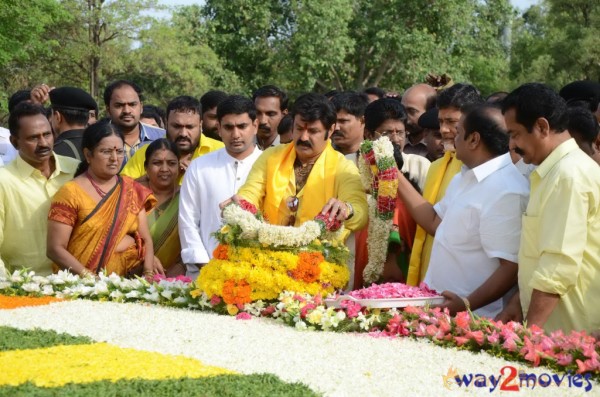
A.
pixel 452 102
pixel 292 183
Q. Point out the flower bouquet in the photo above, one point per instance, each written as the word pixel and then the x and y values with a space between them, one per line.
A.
pixel 257 261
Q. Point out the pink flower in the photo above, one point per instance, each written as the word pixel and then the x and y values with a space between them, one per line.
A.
pixel 352 308
pixel 460 340
pixel 493 338
pixel 564 359
pixel 267 311
pixel 306 308
pixel 510 345
pixel 431 330
pixel 183 279
pixel 243 316
pixel 463 319
pixel 215 300
pixel 477 336
pixel 530 352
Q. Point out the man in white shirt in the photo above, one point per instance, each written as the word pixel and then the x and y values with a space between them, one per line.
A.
pixel 477 225
pixel 213 178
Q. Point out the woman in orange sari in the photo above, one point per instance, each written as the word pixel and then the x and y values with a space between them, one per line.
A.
pixel 97 222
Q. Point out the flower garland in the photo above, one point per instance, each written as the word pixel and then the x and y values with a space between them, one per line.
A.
pixel 244 226
pixel 377 166
pixel 575 352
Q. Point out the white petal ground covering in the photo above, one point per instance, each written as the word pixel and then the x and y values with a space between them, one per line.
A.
pixel 335 364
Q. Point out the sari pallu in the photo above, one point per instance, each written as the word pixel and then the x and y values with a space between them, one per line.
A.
pixel 98 228
pixel 162 221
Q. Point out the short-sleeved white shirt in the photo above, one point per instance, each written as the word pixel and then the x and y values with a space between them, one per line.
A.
pixel 481 222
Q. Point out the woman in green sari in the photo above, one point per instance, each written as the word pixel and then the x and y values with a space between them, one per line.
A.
pixel 162 171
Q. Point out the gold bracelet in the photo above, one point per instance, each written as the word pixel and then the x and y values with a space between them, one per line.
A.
pixel 467 303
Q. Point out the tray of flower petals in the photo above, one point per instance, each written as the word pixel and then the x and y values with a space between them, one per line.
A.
pixel 388 295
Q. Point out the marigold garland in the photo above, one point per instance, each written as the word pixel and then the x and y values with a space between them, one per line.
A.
pixel 236 292
pixel 221 252
pixel 378 166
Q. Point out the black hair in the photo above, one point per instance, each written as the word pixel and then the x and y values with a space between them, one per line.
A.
pixel 154 112
pixel 184 103
pixel 23 109
pixel 108 91
pixel 351 102
pixel 331 93
pixel 93 135
pixel 160 144
pixel 460 96
pixel 73 116
pixel 493 135
pixel 236 104
pixel 272 91
pixel 378 92
pixel 496 97
pixel 532 101
pixel 584 123
pixel 285 125
pixel 212 99
pixel 312 107
pixel 583 103
pixel 18 97
pixel 381 110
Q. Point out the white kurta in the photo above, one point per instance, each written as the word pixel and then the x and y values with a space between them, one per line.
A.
pixel 208 181
pixel 7 151
pixel 481 222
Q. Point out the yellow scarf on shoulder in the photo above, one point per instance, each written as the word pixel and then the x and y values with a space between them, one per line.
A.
pixel 432 192
pixel 281 185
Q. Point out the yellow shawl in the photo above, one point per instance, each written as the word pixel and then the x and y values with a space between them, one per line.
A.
pixel 439 176
pixel 281 184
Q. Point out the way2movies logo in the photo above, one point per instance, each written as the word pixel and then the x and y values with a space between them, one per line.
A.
pixel 511 379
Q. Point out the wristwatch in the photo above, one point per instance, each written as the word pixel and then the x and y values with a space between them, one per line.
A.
pixel 350 211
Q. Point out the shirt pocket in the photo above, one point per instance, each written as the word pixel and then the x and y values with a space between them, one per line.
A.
pixel 529 237
pixel 464 228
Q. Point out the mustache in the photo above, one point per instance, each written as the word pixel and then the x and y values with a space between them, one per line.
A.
pixel 336 133
pixel 264 127
pixel 182 138
pixel 519 151
pixel 42 149
pixel 303 143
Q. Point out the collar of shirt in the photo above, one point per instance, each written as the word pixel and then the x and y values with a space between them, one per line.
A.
pixel 207 145
pixel 151 133
pixel 558 153
pixel 25 170
pixel 484 170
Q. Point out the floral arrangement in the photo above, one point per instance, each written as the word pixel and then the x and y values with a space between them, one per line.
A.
pixel 245 227
pixel 256 260
pixel 576 352
pixel 379 175
pixel 240 275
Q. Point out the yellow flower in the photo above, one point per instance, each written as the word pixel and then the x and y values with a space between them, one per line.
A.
pixel 196 293
pixel 388 188
pixel 59 365
pixel 314 317
pixel 225 229
pixel 232 310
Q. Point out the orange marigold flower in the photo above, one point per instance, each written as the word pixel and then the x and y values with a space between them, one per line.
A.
pixel 308 269
pixel 13 302
pixel 221 252
pixel 236 292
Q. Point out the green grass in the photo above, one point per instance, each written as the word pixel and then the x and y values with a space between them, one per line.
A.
pixel 13 339
pixel 218 386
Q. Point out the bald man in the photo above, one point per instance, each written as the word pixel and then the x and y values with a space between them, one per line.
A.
pixel 417 100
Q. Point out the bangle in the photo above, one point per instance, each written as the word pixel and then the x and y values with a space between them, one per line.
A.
pixel 85 273
pixel 467 303
pixel 349 211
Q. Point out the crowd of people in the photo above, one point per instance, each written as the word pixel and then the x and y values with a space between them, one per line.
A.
pixel 498 203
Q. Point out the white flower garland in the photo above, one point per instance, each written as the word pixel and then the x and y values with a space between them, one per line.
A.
pixel 275 235
pixel 378 229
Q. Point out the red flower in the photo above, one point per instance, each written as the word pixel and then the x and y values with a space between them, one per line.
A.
pixel 329 225
pixel 248 206
pixel 388 175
